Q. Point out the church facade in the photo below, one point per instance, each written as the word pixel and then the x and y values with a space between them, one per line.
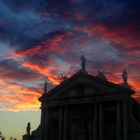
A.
pixel 86 107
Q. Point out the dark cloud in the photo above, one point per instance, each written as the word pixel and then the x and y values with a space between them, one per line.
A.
pixel 24 23
pixel 12 71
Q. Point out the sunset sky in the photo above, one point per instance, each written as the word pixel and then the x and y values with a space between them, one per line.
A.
pixel 41 39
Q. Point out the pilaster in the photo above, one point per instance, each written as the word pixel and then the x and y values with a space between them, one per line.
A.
pixel 95 122
pixel 125 121
pixel 118 121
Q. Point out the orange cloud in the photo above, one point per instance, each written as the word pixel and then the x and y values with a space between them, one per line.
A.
pixel 14 97
pixel 46 71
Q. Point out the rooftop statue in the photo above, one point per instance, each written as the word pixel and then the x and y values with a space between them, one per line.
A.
pixel 125 76
pixel 28 128
pixel 63 77
pixel 125 79
pixel 83 63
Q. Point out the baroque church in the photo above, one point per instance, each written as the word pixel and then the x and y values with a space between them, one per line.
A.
pixel 87 107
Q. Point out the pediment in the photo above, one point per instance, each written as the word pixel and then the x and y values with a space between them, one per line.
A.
pixel 82 85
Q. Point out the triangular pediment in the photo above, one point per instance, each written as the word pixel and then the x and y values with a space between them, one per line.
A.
pixel 84 85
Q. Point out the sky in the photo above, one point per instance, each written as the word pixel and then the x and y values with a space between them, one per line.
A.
pixel 42 39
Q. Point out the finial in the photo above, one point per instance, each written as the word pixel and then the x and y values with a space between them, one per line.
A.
pixel 45 87
pixel 28 128
pixel 83 63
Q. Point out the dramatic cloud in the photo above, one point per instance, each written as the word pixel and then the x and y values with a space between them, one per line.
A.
pixel 42 39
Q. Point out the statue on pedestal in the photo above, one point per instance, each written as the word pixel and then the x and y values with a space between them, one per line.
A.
pixel 125 76
pixel 125 79
pixel 28 128
pixel 83 63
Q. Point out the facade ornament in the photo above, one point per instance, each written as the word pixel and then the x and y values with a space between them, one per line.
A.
pixel 125 76
pixel 28 128
pixel 101 75
pixel 63 77
pixel 83 63
pixel 125 79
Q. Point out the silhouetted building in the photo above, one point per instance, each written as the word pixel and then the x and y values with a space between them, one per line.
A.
pixel 85 107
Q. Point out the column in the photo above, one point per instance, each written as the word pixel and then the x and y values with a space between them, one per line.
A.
pixel 46 129
pixel 118 120
pixel 43 119
pixel 60 125
pixel 100 121
pixel 65 128
pixel 95 122
pixel 125 121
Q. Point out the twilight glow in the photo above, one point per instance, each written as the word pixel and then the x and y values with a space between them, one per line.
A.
pixel 42 39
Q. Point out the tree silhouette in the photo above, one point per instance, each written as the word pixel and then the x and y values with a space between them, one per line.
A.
pixel 1 136
pixel 11 138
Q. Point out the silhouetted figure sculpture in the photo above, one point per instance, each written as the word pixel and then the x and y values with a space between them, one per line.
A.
pixel 101 75
pixel 63 77
pixel 28 128
pixel 125 76
pixel 83 63
pixel 45 87
pixel 125 79
pixel 1 136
